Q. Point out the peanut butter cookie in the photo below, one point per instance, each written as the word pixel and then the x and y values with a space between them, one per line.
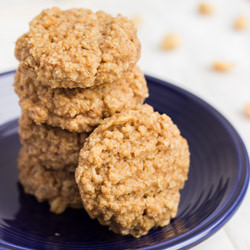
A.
pixel 79 110
pixel 131 169
pixel 56 187
pixel 77 48
pixel 56 148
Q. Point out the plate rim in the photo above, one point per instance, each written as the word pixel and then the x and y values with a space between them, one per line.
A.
pixel 206 228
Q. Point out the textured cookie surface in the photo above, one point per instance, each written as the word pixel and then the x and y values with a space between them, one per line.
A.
pixel 79 109
pixel 56 187
pixel 56 148
pixel 77 48
pixel 131 169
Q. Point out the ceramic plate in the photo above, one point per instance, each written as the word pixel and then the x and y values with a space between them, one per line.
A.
pixel 217 183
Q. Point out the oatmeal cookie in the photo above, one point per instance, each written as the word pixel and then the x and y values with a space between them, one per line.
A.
pixel 131 169
pixel 77 48
pixel 56 187
pixel 79 109
pixel 56 148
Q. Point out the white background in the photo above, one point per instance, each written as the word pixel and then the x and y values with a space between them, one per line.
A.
pixel 204 39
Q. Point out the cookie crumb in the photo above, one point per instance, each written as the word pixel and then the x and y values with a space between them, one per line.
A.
pixel 206 9
pixel 137 20
pixel 247 109
pixel 240 23
pixel 58 205
pixel 171 42
pixel 57 234
pixel 222 66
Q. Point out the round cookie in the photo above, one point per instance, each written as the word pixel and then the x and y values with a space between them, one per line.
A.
pixel 131 169
pixel 56 148
pixel 56 187
pixel 78 109
pixel 77 48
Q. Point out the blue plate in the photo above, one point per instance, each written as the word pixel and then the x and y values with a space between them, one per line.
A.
pixel 217 183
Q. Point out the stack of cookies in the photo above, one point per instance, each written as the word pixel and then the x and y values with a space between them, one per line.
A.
pixel 86 138
pixel 76 69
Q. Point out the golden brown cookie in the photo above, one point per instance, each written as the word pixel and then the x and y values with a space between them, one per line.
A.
pixel 56 187
pixel 56 148
pixel 78 109
pixel 77 48
pixel 131 169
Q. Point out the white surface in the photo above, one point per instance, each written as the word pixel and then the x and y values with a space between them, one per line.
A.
pixel 204 39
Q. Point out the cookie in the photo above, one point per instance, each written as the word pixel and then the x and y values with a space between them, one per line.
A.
pixel 79 110
pixel 57 149
pixel 77 48
pixel 131 169
pixel 56 187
